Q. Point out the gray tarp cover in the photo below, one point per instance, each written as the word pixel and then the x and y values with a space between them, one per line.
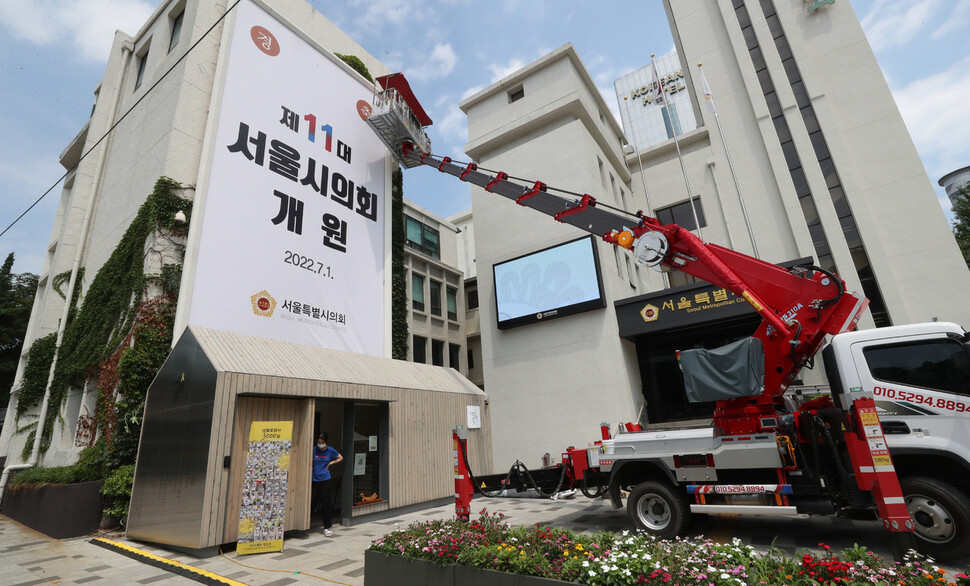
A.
pixel 729 372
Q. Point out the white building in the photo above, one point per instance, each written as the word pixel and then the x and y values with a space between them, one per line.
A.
pixel 954 180
pixel 464 222
pixel 163 136
pixel 436 296
pixel 649 118
pixel 550 384
pixel 827 173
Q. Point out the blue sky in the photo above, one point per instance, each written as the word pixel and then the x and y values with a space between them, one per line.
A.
pixel 52 56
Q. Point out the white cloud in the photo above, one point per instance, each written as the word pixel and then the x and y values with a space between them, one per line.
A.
pixel 377 13
pixel 959 17
pixel 86 26
pixel 471 91
pixel 936 113
pixel 889 23
pixel 499 71
pixel 438 64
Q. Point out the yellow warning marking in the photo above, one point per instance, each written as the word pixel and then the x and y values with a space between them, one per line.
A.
pixel 752 301
pixel 168 562
pixel 882 461
pixel 483 485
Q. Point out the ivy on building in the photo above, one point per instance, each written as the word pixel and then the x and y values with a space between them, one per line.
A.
pixel 357 65
pixel 399 295
pixel 116 338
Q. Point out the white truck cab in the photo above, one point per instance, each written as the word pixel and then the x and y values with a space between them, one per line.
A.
pixel 919 376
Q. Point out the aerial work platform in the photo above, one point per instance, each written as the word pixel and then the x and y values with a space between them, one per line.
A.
pixel 397 117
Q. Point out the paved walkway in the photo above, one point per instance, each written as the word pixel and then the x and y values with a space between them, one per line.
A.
pixel 28 557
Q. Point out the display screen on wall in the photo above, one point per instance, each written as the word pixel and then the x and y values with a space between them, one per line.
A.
pixel 557 281
pixel 292 243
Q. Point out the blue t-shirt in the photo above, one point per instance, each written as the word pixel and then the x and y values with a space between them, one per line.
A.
pixel 320 460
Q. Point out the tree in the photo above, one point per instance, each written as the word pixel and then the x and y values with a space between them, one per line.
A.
pixel 16 299
pixel 961 222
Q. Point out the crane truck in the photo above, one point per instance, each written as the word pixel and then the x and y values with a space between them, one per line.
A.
pixel 891 441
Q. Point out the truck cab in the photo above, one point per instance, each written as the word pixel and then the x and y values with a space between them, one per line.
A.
pixel 919 376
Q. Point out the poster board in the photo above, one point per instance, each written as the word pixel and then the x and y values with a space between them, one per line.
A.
pixel 262 514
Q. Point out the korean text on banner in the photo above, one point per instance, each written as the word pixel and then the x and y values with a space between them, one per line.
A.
pixel 292 243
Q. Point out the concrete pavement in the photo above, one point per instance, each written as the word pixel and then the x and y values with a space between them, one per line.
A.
pixel 28 557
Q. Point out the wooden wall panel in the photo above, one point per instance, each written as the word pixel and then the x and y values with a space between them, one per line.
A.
pixel 264 408
pixel 420 466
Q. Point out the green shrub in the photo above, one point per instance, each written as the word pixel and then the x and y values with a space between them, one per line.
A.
pixel 117 492
pixel 90 466
pixel 55 475
pixel 357 65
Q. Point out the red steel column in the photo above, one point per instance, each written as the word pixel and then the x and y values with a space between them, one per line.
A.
pixel 463 482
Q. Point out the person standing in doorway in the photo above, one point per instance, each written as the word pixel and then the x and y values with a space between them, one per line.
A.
pixel 324 456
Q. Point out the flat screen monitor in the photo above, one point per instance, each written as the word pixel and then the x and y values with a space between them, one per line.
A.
pixel 555 282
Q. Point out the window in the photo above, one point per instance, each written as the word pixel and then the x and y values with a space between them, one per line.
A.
pixel 454 356
pixel 422 237
pixel 516 94
pixel 471 360
pixel 437 352
pixel 682 214
pixel 367 427
pixel 941 365
pixel 671 120
pixel 435 298
pixel 419 350
pixel 452 304
pixel 176 31
pixel 142 63
pixel 417 291
pixel 472 299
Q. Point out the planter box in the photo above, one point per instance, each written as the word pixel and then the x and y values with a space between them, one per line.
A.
pixel 381 569
pixel 56 510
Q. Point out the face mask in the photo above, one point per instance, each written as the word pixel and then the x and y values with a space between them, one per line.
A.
pixel 321 445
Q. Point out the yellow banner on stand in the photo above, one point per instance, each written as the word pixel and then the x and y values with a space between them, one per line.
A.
pixel 262 514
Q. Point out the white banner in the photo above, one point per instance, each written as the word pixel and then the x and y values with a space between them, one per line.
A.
pixel 292 244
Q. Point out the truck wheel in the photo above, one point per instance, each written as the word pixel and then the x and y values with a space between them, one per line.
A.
pixel 942 517
pixel 658 509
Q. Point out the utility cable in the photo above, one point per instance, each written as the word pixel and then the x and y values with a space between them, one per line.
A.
pixel 280 571
pixel 123 116
pixel 519 468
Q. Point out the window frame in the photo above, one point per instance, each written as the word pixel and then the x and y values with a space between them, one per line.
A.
pixel 415 303
pixel 910 347
pixel 175 28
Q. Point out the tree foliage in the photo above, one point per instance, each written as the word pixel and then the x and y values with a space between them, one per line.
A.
pixel 961 222
pixel 16 299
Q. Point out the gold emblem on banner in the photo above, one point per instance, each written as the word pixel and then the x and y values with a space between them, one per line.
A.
pixel 263 303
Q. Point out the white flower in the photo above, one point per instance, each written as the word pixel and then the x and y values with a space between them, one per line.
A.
pixel 724 576
pixel 614 568
pixel 647 556
pixel 585 563
pixel 592 573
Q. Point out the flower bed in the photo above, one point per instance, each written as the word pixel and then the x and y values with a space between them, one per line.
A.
pixel 489 543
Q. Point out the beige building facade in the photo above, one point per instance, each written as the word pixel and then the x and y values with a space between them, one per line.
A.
pixel 827 174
